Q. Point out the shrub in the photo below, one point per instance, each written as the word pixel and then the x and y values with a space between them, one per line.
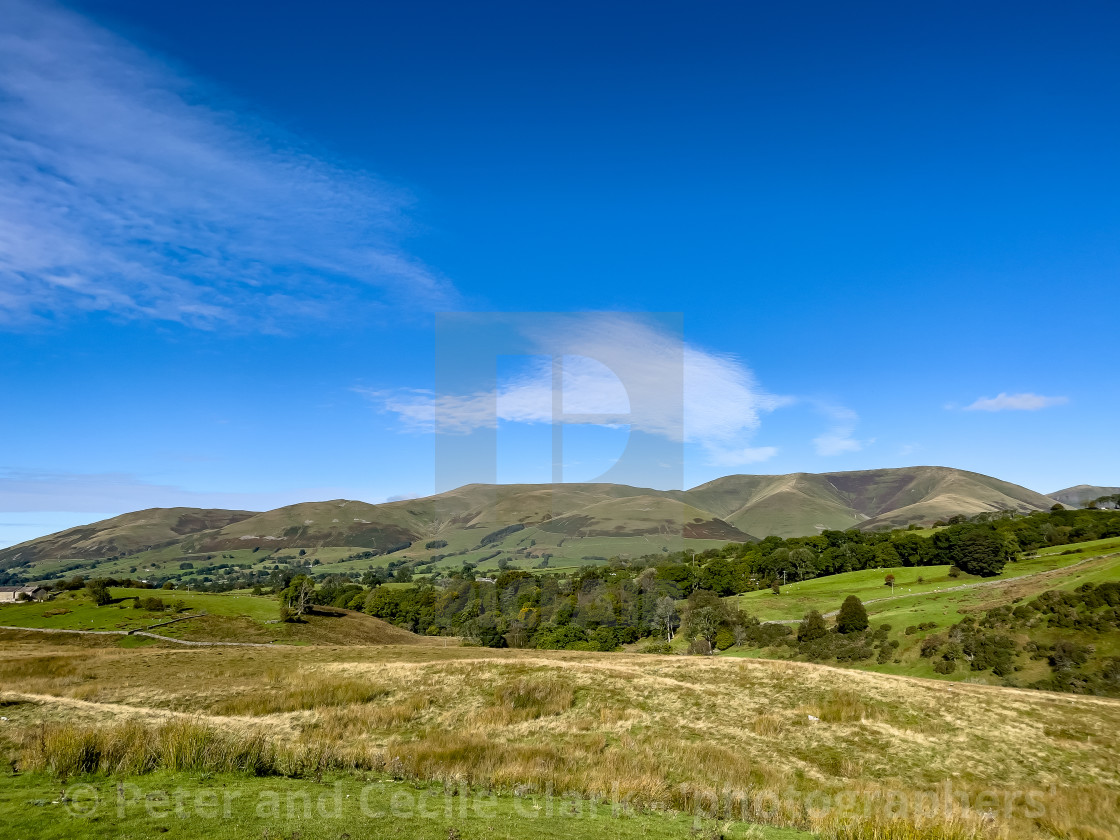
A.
pixel 930 644
pixel 852 617
pixel 812 627
pixel 954 572
pixel 699 647
pixel 725 638
pixel 945 666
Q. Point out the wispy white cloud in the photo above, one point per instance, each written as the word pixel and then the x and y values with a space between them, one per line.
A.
pixel 123 190
pixel 26 491
pixel 655 384
pixel 1015 402
pixel 839 439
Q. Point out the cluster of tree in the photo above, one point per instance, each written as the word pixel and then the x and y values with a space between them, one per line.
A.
pixel 624 600
pixel 79 582
pixel 1112 501
pixel 598 608
pixel 157 604
pixel 998 639
pixel 299 595
pixel 981 546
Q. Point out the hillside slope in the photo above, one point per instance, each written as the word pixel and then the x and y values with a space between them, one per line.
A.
pixel 125 534
pixel 807 503
pixel 608 519
pixel 1082 493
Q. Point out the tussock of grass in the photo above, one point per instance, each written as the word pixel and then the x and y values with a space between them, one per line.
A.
pixel 946 827
pixel 844 706
pixel 527 700
pixel 132 748
pixel 303 692
pixel 768 725
pixel 37 667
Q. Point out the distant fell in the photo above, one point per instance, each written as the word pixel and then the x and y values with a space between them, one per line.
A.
pixel 1082 493
pixel 531 523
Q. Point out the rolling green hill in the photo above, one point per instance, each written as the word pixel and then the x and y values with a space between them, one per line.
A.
pixel 527 524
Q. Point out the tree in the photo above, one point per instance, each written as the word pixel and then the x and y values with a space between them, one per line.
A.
pixel 704 623
pixel 776 586
pixel 980 552
pixel 888 580
pixel 812 627
pixel 299 596
pixel 852 617
pixel 718 576
pixel 705 615
pixel 803 561
pixel 665 616
pixel 98 592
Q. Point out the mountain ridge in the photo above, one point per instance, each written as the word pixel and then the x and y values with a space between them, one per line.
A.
pixel 550 519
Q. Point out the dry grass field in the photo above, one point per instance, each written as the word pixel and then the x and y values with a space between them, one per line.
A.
pixel 837 752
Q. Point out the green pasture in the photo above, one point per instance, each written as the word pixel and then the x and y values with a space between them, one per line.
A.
pixel 233 806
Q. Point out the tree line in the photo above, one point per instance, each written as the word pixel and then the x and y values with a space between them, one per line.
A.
pixel 625 600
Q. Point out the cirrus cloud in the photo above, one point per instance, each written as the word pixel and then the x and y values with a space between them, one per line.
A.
pixel 1015 402
pixel 125 188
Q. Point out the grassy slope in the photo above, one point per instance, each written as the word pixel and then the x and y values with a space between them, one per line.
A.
pixel 1097 562
pixel 827 593
pixel 658 727
pixel 229 617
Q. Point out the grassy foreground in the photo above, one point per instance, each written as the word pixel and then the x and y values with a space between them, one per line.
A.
pixel 838 754
pixel 235 806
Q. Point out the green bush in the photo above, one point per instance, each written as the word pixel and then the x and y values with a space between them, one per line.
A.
pixel 852 617
pixel 725 638
pixel 812 627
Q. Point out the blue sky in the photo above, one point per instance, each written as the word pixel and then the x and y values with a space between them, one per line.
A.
pixel 845 235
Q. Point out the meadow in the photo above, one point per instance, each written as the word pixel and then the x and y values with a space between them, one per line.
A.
pixel 226 617
pixel 937 604
pixel 795 746
pixel 825 594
